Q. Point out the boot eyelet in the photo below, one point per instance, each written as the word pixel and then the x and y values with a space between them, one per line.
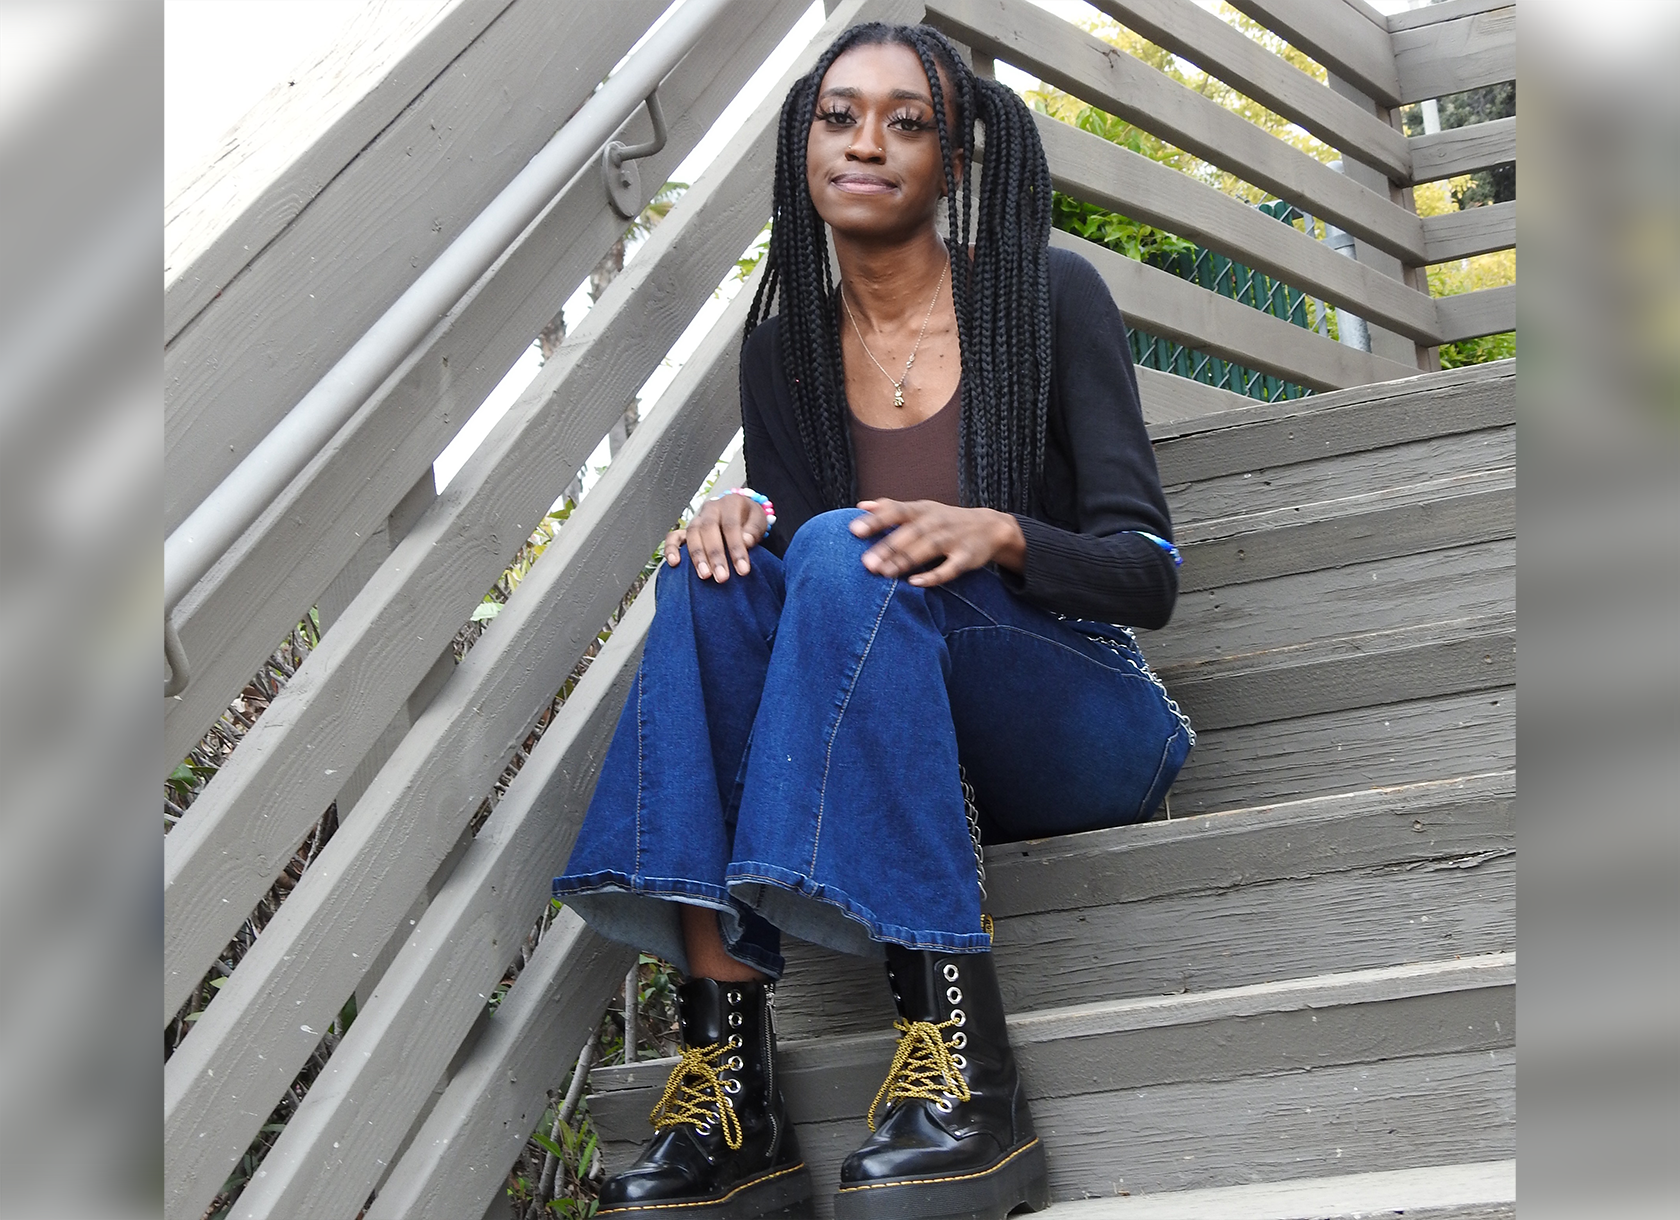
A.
pixel 734 1063
pixel 950 972
pixel 734 1020
pixel 943 1105
pixel 734 997
pixel 958 1017
pixel 962 1064
pixel 959 1039
pixel 734 1041
pixel 953 995
pixel 704 1129
pixel 732 1086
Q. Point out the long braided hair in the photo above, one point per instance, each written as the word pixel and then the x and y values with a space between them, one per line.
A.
pixel 1002 297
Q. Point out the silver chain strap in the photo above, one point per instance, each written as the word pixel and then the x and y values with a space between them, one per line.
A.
pixel 973 812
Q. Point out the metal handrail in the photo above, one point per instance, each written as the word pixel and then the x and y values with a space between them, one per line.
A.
pixel 226 513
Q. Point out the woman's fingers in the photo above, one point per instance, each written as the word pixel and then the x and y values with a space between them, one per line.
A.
pixel 673 546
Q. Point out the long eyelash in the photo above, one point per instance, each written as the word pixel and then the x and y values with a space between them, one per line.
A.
pixel 834 113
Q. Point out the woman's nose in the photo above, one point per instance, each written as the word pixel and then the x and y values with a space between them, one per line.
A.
pixel 868 141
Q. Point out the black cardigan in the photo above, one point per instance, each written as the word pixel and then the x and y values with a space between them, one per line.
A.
pixel 1099 478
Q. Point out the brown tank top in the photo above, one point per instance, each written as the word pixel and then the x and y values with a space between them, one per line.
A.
pixel 914 463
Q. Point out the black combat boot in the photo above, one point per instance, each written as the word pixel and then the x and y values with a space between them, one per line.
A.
pixel 957 1138
pixel 722 1143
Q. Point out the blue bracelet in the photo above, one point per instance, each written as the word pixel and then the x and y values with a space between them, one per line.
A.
pixel 1169 548
pixel 763 501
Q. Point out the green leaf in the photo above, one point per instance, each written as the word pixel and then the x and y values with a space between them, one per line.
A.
pixel 485 611
pixel 542 1141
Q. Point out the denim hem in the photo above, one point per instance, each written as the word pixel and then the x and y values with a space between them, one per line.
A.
pixel 828 916
pixel 641 912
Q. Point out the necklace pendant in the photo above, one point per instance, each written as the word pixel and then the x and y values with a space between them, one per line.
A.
pixel 898 396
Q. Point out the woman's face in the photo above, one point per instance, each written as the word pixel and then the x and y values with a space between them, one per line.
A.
pixel 873 162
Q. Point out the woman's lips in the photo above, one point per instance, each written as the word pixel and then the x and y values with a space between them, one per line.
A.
pixel 862 184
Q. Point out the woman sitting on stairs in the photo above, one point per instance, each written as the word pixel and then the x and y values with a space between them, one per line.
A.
pixel 900 642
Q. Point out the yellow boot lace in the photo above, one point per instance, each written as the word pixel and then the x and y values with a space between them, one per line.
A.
pixel 695 1093
pixel 923 1067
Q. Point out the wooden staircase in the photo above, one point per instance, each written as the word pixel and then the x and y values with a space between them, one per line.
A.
pixel 1297 997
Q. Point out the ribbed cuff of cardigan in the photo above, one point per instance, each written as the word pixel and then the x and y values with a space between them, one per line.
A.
pixel 1117 578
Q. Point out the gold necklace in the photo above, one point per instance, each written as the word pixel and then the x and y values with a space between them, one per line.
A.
pixel 898 386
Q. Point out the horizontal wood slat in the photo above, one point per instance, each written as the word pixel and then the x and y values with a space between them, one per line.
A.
pixel 278 326
pixel 1473 231
pixel 348 1128
pixel 293 142
pixel 1162 304
pixel 1470 315
pixel 1452 56
pixel 1338 36
pixel 266 583
pixel 1463 150
pixel 225 853
pixel 221 1083
pixel 1168 397
pixel 1096 171
pixel 1441 10
pixel 1069 58
pixel 1222 51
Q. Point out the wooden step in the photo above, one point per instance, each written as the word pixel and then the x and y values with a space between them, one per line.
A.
pixel 1483 1190
pixel 1354 1072
pixel 1355 881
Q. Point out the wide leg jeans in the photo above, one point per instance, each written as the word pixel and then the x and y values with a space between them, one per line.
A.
pixel 789 753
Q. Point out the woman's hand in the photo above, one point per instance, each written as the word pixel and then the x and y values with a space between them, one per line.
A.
pixel 967 538
pixel 722 530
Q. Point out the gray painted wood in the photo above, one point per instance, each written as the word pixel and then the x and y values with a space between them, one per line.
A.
pixel 1223 51
pixel 1441 10
pixel 1452 56
pixel 1343 751
pixel 1480 579
pixel 1358 1118
pixel 1482 1190
pixel 1469 315
pixel 348 1127
pixel 1136 911
pixel 222 1081
pixel 1462 150
pixel 1470 232
pixel 1447 513
pixel 1339 36
pixel 253 813
pixel 1392 666
pixel 1259 435
pixel 277 327
pixel 1406 464
pixel 1096 171
pixel 1162 304
pixel 272 163
pixel 1169 398
pixel 458 1161
pixel 231 621
pixel 1069 58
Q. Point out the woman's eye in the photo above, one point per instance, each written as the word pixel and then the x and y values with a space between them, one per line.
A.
pixel 909 122
pixel 835 117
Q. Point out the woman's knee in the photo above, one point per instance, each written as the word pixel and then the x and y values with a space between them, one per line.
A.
pixel 827 552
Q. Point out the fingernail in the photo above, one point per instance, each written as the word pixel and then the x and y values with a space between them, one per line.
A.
pixel 741 567
pixel 700 567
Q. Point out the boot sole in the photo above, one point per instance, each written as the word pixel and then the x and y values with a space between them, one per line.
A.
pixel 784 1192
pixel 1020 1180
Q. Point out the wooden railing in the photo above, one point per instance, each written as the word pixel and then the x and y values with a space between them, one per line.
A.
pixel 284 252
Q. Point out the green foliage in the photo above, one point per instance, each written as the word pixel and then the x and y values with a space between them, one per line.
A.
pixel 1479 351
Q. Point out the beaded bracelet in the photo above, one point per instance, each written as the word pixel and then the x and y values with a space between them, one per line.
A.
pixel 763 501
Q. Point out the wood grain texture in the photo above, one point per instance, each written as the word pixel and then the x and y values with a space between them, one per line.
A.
pixel 1069 58
pixel 1260 434
pixel 279 325
pixel 349 1127
pixel 1167 397
pixel 1480 1190
pixel 1226 53
pixel 223 1080
pixel 268 580
pixel 1441 10
pixel 1162 304
pixel 1469 315
pixel 1338 36
pixel 458 1161
pixel 1452 56
pixel 1357 1118
pixel 1462 150
pixel 272 163
pixel 1481 230
pixel 1097 171
pixel 1343 751
pixel 1135 911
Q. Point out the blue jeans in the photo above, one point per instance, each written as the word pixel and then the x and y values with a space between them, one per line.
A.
pixel 789 753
